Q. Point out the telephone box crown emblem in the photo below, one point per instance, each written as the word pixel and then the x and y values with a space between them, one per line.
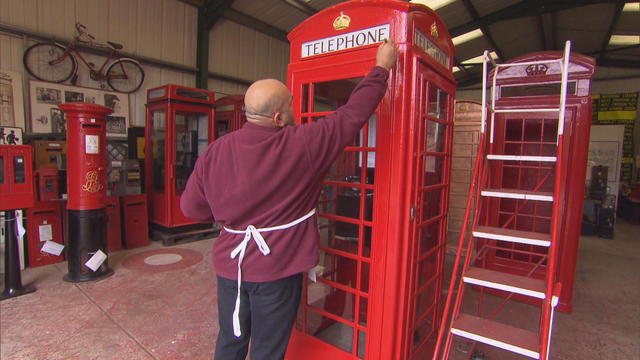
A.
pixel 341 22
pixel 537 69
pixel 434 30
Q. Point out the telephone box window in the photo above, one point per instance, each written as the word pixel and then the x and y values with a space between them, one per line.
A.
pixel 158 149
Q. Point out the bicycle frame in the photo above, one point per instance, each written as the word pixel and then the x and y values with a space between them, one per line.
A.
pixel 96 74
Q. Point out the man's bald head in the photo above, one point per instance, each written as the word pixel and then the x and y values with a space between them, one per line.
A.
pixel 266 97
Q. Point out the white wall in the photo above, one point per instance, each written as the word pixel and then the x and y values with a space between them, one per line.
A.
pixel 165 30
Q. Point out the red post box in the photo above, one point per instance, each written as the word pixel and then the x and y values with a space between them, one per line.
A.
pixel 114 227
pixel 180 122
pixel 382 213
pixel 229 114
pixel 44 223
pixel 47 184
pixel 86 187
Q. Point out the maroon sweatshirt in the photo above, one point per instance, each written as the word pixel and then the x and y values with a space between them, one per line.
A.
pixel 269 176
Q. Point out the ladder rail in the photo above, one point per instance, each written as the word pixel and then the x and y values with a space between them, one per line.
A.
pixel 474 188
pixel 545 330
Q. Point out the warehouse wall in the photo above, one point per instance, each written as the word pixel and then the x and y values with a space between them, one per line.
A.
pixel 164 30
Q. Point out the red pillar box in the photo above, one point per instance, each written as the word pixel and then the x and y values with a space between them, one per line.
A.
pixel 86 187
pixel 382 213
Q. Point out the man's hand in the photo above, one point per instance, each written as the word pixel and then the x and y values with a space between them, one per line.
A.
pixel 387 54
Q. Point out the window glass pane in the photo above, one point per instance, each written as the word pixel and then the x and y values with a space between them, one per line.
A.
pixel 429 237
pixel 362 344
pixel 435 136
pixel 364 281
pixel 330 331
pixel 426 299
pixel 332 300
pixel 339 269
pixel 330 95
pixel 19 176
pixel 305 98
pixel 421 333
pixel 191 138
pixel 158 149
pixel 427 269
pixel 437 102
pixel 431 204
pixel 1 169
pixel 433 170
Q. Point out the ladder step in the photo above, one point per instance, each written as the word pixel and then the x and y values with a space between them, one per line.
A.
pixel 525 110
pixel 518 194
pixel 522 158
pixel 492 333
pixel 517 236
pixel 499 280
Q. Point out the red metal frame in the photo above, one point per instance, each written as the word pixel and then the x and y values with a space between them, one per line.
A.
pixel 518 127
pixel 382 228
pixel 172 100
pixel 575 142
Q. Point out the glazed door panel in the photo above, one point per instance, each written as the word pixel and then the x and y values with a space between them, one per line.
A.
pixel 433 106
pixel 335 313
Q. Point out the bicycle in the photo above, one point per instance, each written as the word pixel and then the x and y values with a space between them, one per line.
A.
pixel 55 62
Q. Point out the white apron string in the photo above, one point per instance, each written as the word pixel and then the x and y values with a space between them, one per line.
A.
pixel 249 233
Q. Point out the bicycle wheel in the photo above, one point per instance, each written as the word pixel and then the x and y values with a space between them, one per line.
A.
pixel 49 62
pixel 125 75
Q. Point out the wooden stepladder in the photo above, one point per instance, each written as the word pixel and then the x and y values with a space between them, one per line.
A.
pixel 492 228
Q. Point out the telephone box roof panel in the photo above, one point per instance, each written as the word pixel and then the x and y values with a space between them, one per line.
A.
pixel 579 66
pixel 359 24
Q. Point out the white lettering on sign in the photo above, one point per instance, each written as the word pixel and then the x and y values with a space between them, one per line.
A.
pixel 346 41
pixel 430 48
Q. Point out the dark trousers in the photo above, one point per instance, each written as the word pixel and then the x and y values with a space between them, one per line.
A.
pixel 267 313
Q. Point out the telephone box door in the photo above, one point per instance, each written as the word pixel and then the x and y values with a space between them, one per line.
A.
pixel 433 128
pixel 335 311
pixel 190 140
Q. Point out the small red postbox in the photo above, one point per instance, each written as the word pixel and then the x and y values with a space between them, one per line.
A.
pixel 86 188
pixel 382 213
pixel 16 177
pixel 114 226
pixel 179 126
pixel 229 114
pixel 44 223
pixel 48 184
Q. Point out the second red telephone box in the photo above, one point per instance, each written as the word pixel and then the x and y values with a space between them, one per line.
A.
pixel 229 114
pixel 179 127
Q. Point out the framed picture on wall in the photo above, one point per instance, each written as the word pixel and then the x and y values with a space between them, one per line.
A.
pixel 11 101
pixel 10 135
pixel 47 118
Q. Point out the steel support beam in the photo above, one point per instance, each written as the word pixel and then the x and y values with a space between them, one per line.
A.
pixel 255 24
pixel 305 8
pixel 614 21
pixel 208 15
pixel 485 29
pixel 524 9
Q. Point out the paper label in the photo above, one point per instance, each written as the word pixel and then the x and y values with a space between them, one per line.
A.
pixel 52 247
pixel 46 232
pixel 91 144
pixel 96 260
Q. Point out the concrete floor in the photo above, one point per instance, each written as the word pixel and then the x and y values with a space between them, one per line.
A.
pixel 157 308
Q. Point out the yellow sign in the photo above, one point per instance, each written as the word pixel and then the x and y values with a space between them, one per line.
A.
pixel 341 22
pixel 92 185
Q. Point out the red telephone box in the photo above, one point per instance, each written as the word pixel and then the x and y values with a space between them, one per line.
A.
pixel 534 134
pixel 179 127
pixel 382 213
pixel 229 114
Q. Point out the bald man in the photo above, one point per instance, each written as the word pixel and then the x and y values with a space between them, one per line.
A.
pixel 262 184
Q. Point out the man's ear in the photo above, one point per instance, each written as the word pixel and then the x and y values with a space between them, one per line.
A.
pixel 277 118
